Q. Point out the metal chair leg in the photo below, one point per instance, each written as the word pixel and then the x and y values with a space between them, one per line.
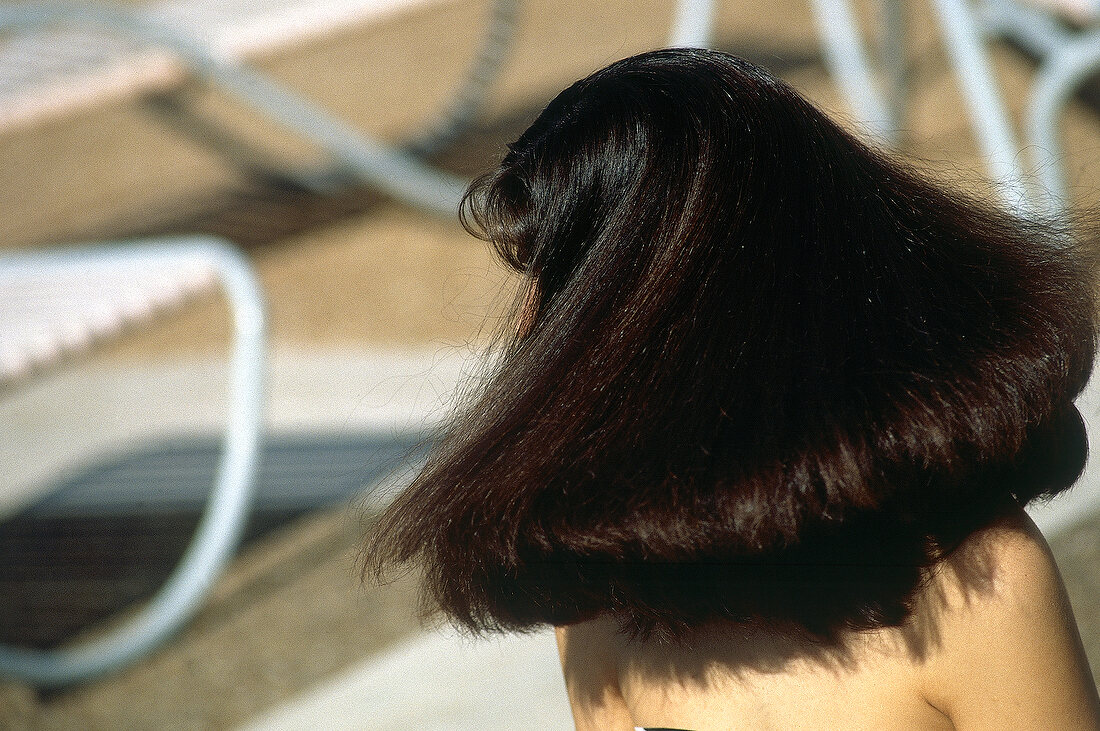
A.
pixel 988 114
pixel 1059 76
pixel 692 24
pixel 846 59
pixel 226 511
pixel 395 171
pixel 1067 60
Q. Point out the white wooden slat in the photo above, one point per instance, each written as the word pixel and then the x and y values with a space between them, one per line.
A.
pixel 50 310
pixel 51 72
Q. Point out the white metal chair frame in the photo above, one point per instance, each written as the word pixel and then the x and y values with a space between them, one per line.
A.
pixel 398 171
pixel 392 170
pixel 1067 59
pixel 227 507
pixel 848 62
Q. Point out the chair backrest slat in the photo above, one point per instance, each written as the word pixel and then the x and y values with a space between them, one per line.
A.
pixel 52 71
pixel 52 307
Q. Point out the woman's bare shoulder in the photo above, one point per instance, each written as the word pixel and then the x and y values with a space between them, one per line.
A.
pixel 589 663
pixel 1002 645
pixel 1001 566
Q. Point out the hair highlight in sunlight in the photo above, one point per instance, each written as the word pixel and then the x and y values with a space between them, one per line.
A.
pixel 767 372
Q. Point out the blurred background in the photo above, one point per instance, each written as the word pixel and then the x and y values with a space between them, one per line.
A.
pixel 376 310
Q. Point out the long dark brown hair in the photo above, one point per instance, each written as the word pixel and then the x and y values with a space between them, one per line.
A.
pixel 765 371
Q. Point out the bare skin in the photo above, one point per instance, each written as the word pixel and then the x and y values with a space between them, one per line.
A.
pixel 992 644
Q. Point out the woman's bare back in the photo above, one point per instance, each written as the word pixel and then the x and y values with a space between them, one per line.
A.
pixel 992 644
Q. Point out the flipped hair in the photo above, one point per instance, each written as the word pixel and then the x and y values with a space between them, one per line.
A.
pixel 765 372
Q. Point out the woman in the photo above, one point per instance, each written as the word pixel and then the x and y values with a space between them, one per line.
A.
pixel 760 441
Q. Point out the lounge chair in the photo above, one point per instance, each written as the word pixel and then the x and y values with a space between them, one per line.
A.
pixel 63 55
pixel 55 304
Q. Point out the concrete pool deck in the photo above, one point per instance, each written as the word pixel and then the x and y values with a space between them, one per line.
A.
pixel 438 681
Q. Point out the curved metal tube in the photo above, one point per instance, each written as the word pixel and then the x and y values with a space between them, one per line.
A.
pixel 845 57
pixel 1067 59
pixel 222 522
pixel 394 171
pixel 499 40
pixel 847 62
pixel 987 110
pixel 692 24
pixel 1059 75
pixel 894 62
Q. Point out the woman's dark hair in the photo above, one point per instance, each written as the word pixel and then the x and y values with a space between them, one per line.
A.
pixel 765 371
